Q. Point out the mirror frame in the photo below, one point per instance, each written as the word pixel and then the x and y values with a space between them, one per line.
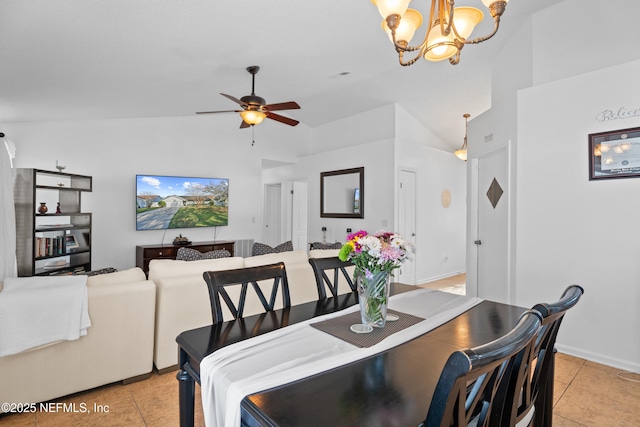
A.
pixel 323 175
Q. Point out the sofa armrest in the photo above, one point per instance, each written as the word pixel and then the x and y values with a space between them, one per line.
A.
pixel 182 303
pixel 118 346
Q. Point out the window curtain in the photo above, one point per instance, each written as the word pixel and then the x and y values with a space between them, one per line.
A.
pixel 7 211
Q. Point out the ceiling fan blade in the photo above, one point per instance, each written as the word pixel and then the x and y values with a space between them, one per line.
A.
pixel 234 99
pixel 282 119
pixel 291 105
pixel 244 125
pixel 215 112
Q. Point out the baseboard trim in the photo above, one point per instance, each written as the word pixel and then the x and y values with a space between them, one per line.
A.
pixel 136 378
pixel 440 277
pixel 168 369
pixel 626 365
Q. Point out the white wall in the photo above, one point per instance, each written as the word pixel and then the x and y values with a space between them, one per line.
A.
pixel 572 230
pixel 440 231
pixel 556 237
pixel 114 151
pixel 385 140
pixel 379 189
pixel 577 36
pixel 373 125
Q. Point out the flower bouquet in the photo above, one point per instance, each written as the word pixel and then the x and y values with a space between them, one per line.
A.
pixel 375 257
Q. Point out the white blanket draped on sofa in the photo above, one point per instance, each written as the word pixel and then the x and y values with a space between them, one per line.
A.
pixel 298 351
pixel 35 311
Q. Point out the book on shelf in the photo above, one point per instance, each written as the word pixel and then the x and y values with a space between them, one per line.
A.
pixel 49 246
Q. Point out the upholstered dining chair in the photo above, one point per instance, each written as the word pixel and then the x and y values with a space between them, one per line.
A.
pixel 321 266
pixel 467 392
pixel 218 281
pixel 529 397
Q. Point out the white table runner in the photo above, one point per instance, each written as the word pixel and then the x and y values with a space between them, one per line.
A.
pixel 298 351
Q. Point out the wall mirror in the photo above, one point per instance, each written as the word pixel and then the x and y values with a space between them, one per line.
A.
pixel 342 193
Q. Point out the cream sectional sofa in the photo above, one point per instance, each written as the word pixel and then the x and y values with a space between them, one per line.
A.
pixel 182 301
pixel 118 346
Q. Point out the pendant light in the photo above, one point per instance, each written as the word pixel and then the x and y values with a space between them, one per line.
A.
pixel 461 152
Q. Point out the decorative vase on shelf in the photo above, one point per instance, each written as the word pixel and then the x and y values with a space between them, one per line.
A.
pixel 43 208
pixel 373 296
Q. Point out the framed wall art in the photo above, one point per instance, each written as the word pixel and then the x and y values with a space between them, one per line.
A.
pixel 614 154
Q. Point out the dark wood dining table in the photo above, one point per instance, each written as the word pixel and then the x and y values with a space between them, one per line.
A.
pixel 393 388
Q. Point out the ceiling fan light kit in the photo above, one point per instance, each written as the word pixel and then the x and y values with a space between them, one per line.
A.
pixel 252 117
pixel 448 28
pixel 255 109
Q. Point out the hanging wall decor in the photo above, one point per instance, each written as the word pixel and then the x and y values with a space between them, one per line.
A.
pixel 614 154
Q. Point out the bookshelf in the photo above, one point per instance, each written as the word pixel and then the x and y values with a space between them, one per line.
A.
pixel 58 241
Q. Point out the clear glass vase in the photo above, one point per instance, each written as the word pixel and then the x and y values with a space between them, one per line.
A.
pixel 373 296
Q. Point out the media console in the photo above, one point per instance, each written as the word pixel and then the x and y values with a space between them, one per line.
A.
pixel 144 254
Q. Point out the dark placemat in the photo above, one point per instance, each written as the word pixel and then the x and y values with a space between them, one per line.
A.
pixel 339 328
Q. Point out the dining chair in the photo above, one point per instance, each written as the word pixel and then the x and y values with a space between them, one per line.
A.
pixel 219 281
pixel 529 397
pixel 321 266
pixel 467 391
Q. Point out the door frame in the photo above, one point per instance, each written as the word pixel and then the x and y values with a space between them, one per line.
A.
pixel 297 200
pixel 266 213
pixel 413 239
pixel 473 218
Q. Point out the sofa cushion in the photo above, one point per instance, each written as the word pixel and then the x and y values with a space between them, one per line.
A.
pixel 163 268
pixel 98 272
pixel 188 254
pixel 318 245
pixel 323 253
pixel 289 258
pixel 262 249
pixel 130 275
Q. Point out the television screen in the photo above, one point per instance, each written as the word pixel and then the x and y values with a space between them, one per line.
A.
pixel 180 202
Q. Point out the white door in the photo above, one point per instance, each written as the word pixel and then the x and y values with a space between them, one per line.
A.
pixel 492 238
pixel 272 214
pixel 407 223
pixel 299 213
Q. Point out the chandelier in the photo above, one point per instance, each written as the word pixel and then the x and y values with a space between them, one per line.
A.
pixel 461 152
pixel 448 30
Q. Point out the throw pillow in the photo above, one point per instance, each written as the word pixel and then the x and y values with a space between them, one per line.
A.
pixel 98 272
pixel 188 254
pixel 318 245
pixel 262 249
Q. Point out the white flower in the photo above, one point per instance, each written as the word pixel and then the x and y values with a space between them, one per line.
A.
pixel 371 245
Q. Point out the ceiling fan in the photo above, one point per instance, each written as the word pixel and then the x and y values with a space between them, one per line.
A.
pixel 255 109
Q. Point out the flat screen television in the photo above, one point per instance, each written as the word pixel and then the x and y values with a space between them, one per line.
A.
pixel 164 202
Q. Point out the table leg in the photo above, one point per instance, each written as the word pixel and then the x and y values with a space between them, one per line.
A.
pixel 186 390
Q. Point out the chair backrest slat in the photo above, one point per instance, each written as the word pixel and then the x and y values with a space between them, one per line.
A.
pixel 533 385
pixel 321 266
pixel 217 281
pixel 468 388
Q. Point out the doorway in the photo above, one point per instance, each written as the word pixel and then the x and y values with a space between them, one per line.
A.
pixel 407 222
pixel 286 214
pixel 299 215
pixel 271 233
pixel 492 199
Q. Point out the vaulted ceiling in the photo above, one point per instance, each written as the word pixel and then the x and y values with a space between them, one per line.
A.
pixel 78 59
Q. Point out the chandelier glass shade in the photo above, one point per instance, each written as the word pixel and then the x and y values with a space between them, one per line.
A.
pixel 461 152
pixel 253 117
pixel 447 32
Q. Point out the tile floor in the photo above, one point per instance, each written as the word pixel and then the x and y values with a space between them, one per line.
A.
pixel 586 394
